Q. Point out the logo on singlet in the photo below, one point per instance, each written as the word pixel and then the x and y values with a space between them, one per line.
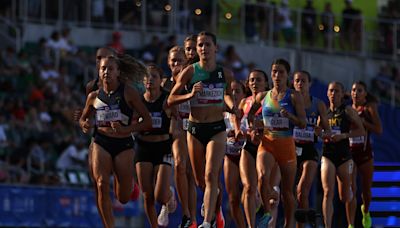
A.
pixel 219 74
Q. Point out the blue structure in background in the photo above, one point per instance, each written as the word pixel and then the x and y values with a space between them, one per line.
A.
pixel 33 206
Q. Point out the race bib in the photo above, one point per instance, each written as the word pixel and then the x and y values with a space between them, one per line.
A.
pixel 306 134
pixel 234 147
pixel 356 140
pixel 211 94
pixel 276 122
pixel 184 107
pixel 336 131
pixel 156 119
pixel 104 117
pixel 185 124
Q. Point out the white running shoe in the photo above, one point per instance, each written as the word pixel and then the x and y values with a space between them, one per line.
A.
pixel 163 219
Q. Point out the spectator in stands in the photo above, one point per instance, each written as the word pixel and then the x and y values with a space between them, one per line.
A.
pixel 152 51
pixel 309 22
pixel 381 83
pixel 9 62
pixel 285 22
pixel 116 42
pixel 350 26
pixel 233 62
pixel 74 156
pixel 327 23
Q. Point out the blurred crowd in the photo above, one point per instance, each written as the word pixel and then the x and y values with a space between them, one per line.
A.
pixel 42 85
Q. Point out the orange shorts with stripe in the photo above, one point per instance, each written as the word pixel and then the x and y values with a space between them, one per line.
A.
pixel 283 149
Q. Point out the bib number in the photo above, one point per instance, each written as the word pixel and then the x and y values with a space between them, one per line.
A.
pixel 276 122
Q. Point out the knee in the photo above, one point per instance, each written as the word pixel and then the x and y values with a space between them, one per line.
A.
pixel 211 177
pixel 102 185
pixel 148 197
pixel 234 200
pixel 302 192
pixel 249 190
pixel 328 193
pixel 180 166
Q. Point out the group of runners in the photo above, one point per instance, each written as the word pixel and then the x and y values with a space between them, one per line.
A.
pixel 201 121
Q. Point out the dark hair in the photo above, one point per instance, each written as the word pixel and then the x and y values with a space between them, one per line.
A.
pixel 152 66
pixel 282 62
pixel 130 68
pixel 263 73
pixel 304 72
pixel 370 98
pixel 191 37
pixel 241 85
pixel 209 34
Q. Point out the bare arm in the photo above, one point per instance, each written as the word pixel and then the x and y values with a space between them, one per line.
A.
pixel 300 118
pixel 323 118
pixel 256 105
pixel 229 101
pixel 358 128
pixel 135 102
pixel 375 125
pixel 184 77
pixel 84 121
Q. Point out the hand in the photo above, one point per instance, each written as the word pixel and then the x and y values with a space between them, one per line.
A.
pixel 86 125
pixel 117 127
pixel 239 135
pixel 197 88
pixel 255 136
pixel 338 137
pixel 285 113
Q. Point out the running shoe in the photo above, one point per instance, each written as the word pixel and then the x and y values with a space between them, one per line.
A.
pixel 163 219
pixel 366 219
pixel 187 223
pixel 264 220
pixel 220 219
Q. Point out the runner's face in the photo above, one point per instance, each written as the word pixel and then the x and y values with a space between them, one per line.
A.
pixel 300 82
pixel 176 60
pixel 109 70
pixel 257 82
pixel 190 49
pixel 152 80
pixel 206 48
pixel 358 93
pixel 102 53
pixel 335 94
pixel 279 75
pixel 237 91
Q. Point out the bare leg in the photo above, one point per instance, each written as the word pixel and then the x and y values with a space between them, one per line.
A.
pixel 305 183
pixel 288 172
pixel 214 158
pixel 101 162
pixel 124 172
pixel 328 173
pixel 146 172
pixel 248 175
pixel 352 205
pixel 232 184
